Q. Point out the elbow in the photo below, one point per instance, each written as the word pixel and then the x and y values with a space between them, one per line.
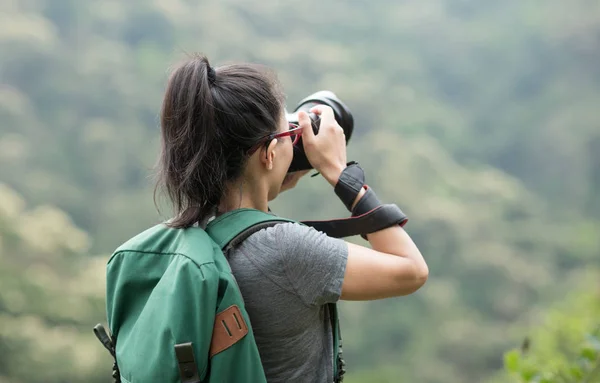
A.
pixel 417 279
pixel 423 272
pixel 421 276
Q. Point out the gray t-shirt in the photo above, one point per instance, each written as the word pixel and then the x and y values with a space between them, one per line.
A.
pixel 287 274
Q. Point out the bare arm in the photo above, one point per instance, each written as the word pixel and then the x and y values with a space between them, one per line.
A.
pixel 393 266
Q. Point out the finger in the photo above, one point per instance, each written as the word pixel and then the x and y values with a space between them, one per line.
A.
pixel 324 111
pixel 305 124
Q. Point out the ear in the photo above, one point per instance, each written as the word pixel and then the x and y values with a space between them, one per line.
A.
pixel 269 158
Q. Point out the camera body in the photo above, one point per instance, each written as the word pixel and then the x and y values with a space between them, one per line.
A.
pixel 342 116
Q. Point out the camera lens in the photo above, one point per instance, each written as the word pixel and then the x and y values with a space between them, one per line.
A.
pixel 342 116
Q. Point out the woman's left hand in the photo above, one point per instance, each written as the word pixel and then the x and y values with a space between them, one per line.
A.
pixel 291 179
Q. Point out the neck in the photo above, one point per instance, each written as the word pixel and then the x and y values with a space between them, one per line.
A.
pixel 244 194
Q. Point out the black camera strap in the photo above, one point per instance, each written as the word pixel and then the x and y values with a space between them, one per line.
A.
pixel 368 216
pixel 379 218
pixel 349 184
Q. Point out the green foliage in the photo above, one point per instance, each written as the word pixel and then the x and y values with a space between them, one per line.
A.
pixel 565 349
pixel 50 297
pixel 477 117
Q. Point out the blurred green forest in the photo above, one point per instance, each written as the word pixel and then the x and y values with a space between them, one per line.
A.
pixel 477 117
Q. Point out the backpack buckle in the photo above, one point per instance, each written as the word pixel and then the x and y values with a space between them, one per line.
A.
pixel 110 344
pixel 187 363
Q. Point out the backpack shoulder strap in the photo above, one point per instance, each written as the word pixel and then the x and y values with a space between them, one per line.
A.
pixel 231 228
pixel 339 365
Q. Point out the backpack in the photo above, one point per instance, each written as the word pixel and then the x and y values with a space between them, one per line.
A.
pixel 175 311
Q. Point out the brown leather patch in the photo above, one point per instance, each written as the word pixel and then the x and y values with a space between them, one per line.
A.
pixel 229 328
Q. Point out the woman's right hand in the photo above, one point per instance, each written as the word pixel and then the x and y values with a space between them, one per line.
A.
pixel 394 265
pixel 326 151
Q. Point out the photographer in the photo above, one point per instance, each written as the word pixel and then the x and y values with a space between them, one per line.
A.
pixel 226 145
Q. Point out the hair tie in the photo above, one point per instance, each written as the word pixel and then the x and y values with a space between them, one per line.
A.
pixel 212 75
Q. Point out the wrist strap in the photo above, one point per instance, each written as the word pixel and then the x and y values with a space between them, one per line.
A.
pixel 367 202
pixel 349 184
pixel 384 218
pixel 368 216
pixel 377 219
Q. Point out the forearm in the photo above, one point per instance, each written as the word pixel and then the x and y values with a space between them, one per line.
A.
pixel 396 241
pixel 393 240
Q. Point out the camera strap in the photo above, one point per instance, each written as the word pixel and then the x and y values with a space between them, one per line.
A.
pixel 379 218
pixel 349 184
pixel 368 216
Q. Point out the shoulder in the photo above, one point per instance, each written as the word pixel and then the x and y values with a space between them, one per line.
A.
pixel 292 239
pixel 296 243
pixel 310 263
pixel 276 238
pixel 288 229
pixel 289 235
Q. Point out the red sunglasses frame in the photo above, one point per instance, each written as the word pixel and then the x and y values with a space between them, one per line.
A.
pixel 295 131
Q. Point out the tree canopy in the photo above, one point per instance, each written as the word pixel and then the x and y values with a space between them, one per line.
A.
pixel 476 117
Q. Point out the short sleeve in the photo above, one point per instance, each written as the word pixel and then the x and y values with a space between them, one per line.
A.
pixel 314 263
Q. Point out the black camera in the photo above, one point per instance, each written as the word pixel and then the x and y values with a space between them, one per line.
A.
pixel 342 116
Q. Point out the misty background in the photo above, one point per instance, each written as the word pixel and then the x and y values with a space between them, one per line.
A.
pixel 477 117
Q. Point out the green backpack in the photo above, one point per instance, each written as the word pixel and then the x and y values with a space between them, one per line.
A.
pixel 175 311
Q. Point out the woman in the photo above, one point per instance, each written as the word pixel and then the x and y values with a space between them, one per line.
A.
pixel 226 144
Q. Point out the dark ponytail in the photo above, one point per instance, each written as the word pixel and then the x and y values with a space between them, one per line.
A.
pixel 209 119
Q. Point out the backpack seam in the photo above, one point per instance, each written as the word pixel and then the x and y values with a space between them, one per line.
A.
pixel 158 253
pixel 198 265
